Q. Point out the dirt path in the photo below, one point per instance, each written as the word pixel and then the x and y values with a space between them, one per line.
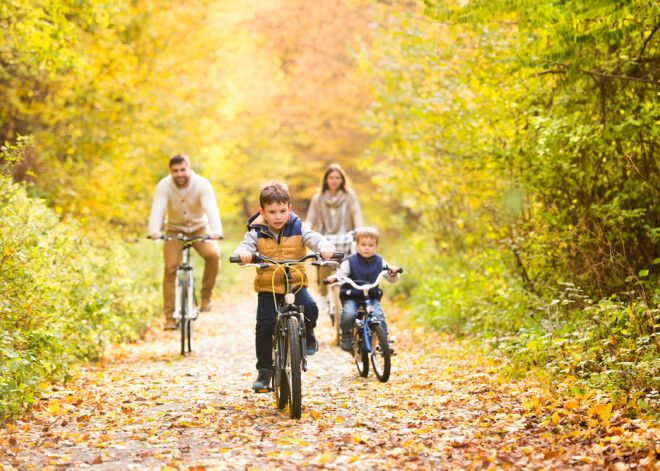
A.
pixel 145 407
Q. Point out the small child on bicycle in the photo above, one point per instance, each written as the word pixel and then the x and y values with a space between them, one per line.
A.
pixel 363 266
pixel 277 232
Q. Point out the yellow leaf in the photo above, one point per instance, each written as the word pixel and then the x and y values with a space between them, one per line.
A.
pixel 604 411
pixel 572 404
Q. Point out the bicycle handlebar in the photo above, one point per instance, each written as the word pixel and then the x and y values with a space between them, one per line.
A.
pixel 262 260
pixel 201 238
pixel 341 280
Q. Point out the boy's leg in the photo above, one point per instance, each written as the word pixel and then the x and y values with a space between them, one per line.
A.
pixel 380 315
pixel 303 298
pixel 266 318
pixel 210 252
pixel 348 316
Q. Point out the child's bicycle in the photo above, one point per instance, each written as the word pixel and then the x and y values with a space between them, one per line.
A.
pixel 289 339
pixel 186 308
pixel 368 337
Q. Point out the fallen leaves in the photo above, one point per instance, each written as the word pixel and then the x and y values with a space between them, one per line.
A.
pixel 442 408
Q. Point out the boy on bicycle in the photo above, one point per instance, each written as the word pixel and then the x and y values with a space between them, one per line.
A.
pixel 363 266
pixel 278 233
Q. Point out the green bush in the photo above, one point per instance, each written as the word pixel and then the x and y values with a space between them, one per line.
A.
pixel 63 297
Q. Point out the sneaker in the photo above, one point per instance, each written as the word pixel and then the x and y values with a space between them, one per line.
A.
pixel 262 382
pixel 207 305
pixel 345 343
pixel 170 324
pixel 312 344
pixel 392 352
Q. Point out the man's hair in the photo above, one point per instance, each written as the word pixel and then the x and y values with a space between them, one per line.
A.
pixel 275 192
pixel 344 178
pixel 367 233
pixel 179 158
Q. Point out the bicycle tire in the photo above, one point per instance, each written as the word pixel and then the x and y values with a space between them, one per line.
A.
pixel 380 352
pixel 184 316
pixel 280 381
pixel 359 353
pixel 292 368
pixel 334 299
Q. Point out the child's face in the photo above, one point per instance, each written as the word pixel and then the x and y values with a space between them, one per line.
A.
pixel 366 246
pixel 276 215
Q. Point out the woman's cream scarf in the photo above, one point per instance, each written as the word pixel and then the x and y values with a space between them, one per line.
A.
pixel 327 202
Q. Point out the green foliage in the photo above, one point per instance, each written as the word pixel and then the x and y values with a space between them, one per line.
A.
pixel 520 141
pixel 63 297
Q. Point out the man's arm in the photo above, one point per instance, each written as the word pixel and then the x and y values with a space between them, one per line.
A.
pixel 210 207
pixel 158 208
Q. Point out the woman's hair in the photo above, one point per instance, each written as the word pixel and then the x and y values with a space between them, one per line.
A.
pixel 274 192
pixel 344 178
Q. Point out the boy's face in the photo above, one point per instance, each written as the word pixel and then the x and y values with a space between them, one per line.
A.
pixel 276 215
pixel 366 246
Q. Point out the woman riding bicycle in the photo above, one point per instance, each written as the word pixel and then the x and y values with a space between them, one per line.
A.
pixel 334 212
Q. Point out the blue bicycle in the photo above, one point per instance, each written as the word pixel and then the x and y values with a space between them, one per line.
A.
pixel 368 337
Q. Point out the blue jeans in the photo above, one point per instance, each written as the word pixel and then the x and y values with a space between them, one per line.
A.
pixel 267 317
pixel 349 314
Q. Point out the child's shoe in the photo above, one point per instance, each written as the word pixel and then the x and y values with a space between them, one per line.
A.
pixel 392 352
pixel 345 343
pixel 312 344
pixel 263 380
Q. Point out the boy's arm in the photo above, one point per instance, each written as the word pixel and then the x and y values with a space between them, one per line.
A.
pixel 388 276
pixel 315 241
pixel 343 270
pixel 249 243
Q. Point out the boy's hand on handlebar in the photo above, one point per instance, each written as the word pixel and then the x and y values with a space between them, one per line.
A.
pixel 331 279
pixel 393 270
pixel 327 253
pixel 245 256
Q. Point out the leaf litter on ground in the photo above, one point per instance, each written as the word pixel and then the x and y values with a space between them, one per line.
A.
pixel 143 406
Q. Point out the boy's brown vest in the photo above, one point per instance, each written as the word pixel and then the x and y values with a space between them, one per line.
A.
pixel 288 246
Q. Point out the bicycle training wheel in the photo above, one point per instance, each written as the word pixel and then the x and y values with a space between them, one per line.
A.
pixel 292 368
pixel 359 354
pixel 380 352
pixel 280 380
pixel 183 321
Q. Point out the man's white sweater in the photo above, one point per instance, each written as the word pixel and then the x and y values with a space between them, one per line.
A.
pixel 186 212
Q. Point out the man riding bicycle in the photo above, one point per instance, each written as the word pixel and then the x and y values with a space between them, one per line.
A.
pixel 185 203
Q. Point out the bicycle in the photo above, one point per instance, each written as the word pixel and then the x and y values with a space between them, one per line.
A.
pixel 290 335
pixel 368 337
pixel 186 308
pixel 334 303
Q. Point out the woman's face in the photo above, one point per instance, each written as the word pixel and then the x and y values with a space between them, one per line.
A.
pixel 334 180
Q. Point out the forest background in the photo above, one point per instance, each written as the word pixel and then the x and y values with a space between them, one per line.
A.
pixel 508 150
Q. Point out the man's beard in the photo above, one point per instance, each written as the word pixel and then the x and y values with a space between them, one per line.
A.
pixel 183 183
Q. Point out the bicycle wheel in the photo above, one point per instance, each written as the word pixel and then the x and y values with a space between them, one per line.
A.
pixel 359 354
pixel 292 368
pixel 336 306
pixel 380 352
pixel 190 312
pixel 183 321
pixel 280 381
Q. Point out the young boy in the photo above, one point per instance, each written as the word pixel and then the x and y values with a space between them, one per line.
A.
pixel 278 233
pixel 363 266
